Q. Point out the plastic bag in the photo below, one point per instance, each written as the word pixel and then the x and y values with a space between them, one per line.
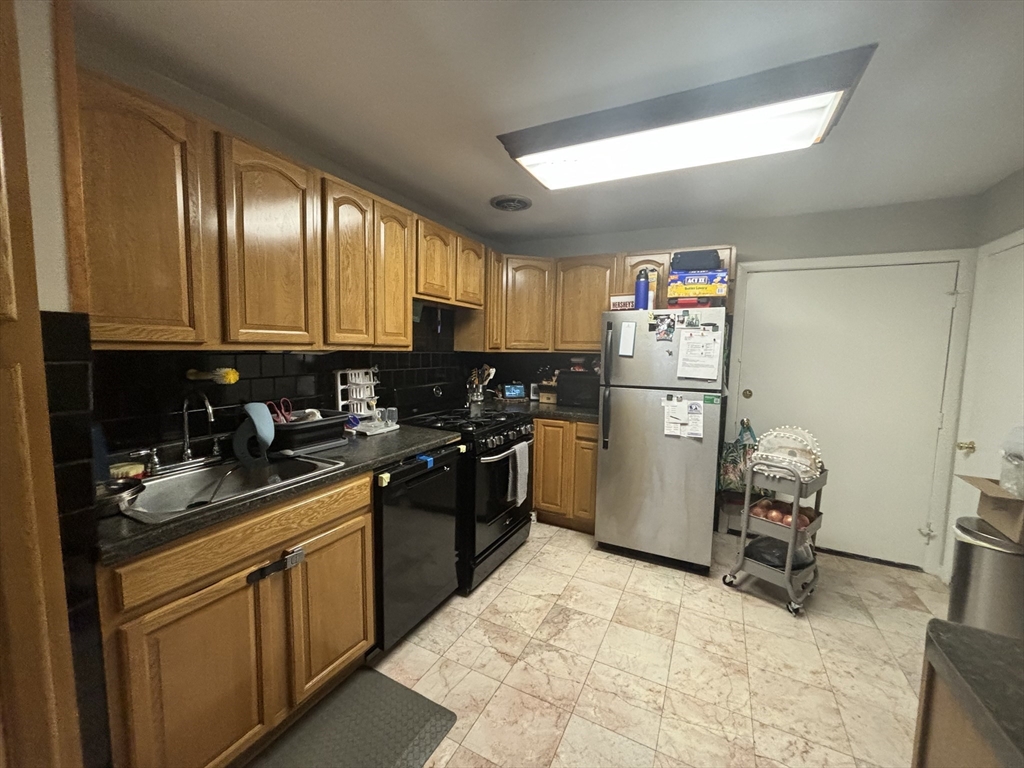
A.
pixel 732 469
pixel 772 552
pixel 1011 471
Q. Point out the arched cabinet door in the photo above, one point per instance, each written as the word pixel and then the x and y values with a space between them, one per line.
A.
pixel 394 268
pixel 270 251
pixel 140 186
pixel 582 292
pixel 348 265
pixel 469 272
pixel 435 260
pixel 528 294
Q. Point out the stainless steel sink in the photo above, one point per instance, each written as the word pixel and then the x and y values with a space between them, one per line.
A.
pixel 171 496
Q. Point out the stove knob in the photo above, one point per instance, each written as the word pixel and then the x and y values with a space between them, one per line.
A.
pixel 490 442
pixel 499 440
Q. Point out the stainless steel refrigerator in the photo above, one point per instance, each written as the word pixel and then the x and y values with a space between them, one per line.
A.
pixel 656 491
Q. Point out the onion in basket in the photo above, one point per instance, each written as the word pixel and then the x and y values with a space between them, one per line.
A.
pixel 774 515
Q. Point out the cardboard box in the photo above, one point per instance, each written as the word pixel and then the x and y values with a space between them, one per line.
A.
pixel 998 508
pixel 711 282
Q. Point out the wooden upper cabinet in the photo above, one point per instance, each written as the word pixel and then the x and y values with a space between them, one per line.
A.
pixel 494 309
pixel 435 260
pixel 330 604
pixel 270 250
pixel 470 267
pixel 528 294
pixel 584 285
pixel 348 265
pixel 194 673
pixel 140 184
pixel 632 263
pixel 395 245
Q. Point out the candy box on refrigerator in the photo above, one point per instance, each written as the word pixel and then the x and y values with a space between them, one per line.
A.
pixel 709 282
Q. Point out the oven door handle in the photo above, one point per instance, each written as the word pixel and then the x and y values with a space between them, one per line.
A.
pixel 506 454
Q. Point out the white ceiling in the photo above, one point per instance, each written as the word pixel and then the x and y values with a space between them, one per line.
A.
pixel 413 94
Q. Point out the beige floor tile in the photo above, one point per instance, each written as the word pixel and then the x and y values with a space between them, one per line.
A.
pixel 601 570
pixel 773 617
pixel 549 673
pixel 488 648
pixel 887 591
pixel 698 746
pixel 507 571
pixel 784 656
pixel 612 557
pixel 442 629
pixel 909 654
pixel 440 679
pixel 587 745
pixel 663 584
pixel 576 540
pixel 588 597
pixel 716 635
pixel 539 582
pixel 646 614
pixel 639 653
pixel 711 597
pixel 523 613
pixel 543 531
pixel 467 700
pixel 554 558
pixel 902 621
pixel 466 758
pixel 793 752
pixel 406 663
pixel 936 601
pixel 689 709
pixel 516 729
pixel 621 702
pixel 865 764
pixel 918 580
pixel 440 757
pixel 832 575
pixel 836 635
pixel 797 708
pixel 478 599
pixel 530 547
pixel 876 681
pixel 837 605
pixel 877 735
pixel 767 762
pixel 572 630
pixel 661 760
pixel 709 677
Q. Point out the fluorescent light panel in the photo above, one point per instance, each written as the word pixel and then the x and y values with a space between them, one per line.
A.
pixel 767 130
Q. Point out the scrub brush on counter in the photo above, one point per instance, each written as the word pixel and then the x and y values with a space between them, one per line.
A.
pixel 217 375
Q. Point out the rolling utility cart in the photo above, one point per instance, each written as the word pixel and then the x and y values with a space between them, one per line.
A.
pixel 800 575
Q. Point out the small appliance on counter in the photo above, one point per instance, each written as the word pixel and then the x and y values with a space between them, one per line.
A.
pixel 578 388
pixel 548 392
pixel 513 392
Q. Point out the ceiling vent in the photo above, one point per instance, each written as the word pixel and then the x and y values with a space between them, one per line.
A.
pixel 511 203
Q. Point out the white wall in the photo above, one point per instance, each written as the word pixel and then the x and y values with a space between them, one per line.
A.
pixel 34 19
pixel 1001 209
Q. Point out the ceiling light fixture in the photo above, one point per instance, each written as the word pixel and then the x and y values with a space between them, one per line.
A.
pixel 779 110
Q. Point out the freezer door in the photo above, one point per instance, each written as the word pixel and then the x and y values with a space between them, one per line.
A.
pixel 653 363
pixel 655 493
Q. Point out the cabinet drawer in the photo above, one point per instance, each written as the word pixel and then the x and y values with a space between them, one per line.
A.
pixel 585 431
pixel 207 554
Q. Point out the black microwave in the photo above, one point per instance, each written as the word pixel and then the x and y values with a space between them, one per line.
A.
pixel 577 388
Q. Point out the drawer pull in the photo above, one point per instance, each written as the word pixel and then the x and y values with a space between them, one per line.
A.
pixel 292 558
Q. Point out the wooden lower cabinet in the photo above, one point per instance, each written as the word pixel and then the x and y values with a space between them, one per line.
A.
pixel 565 473
pixel 202 662
pixel 330 604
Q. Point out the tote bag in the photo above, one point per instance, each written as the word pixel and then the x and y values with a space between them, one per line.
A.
pixel 732 469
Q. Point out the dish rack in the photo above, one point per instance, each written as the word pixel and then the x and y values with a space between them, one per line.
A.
pixel 357 392
pixel 798 582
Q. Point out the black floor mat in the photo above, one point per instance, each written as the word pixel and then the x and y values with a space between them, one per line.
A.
pixel 369 721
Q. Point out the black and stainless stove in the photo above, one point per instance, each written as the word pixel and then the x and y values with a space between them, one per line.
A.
pixel 491 522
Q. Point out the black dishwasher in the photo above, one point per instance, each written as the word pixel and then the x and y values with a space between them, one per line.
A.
pixel 415 505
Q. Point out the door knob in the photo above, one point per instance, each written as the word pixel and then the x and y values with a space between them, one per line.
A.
pixel 748 394
pixel 967 447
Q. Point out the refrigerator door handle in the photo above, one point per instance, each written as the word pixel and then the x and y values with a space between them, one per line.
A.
pixel 609 338
pixel 606 417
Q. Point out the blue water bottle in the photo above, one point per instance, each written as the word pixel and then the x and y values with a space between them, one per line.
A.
pixel 642 291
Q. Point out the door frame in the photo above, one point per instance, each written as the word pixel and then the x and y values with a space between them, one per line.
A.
pixel 942 473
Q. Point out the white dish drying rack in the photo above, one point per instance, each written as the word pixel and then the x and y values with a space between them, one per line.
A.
pixel 355 390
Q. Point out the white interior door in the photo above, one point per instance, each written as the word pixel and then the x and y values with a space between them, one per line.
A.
pixel 857 356
pixel 993 392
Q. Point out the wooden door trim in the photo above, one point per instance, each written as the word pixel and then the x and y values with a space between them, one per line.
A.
pixel 40 714
pixel 304 682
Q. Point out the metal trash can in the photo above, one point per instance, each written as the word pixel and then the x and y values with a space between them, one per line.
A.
pixel 987 588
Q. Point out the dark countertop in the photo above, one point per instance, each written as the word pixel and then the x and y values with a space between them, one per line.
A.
pixel 546 411
pixel 120 538
pixel 985 671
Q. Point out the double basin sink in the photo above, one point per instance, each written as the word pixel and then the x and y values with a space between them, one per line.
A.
pixel 174 495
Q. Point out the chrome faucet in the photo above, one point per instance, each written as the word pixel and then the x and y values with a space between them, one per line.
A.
pixel 186 448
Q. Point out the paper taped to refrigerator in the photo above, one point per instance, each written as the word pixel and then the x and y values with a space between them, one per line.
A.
pixel 627 339
pixel 694 419
pixel 700 351
pixel 675 417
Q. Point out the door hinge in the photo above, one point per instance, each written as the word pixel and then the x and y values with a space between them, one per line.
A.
pixel 292 557
pixel 928 532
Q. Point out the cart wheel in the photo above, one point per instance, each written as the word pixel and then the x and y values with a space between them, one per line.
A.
pixel 794 608
pixel 729 580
